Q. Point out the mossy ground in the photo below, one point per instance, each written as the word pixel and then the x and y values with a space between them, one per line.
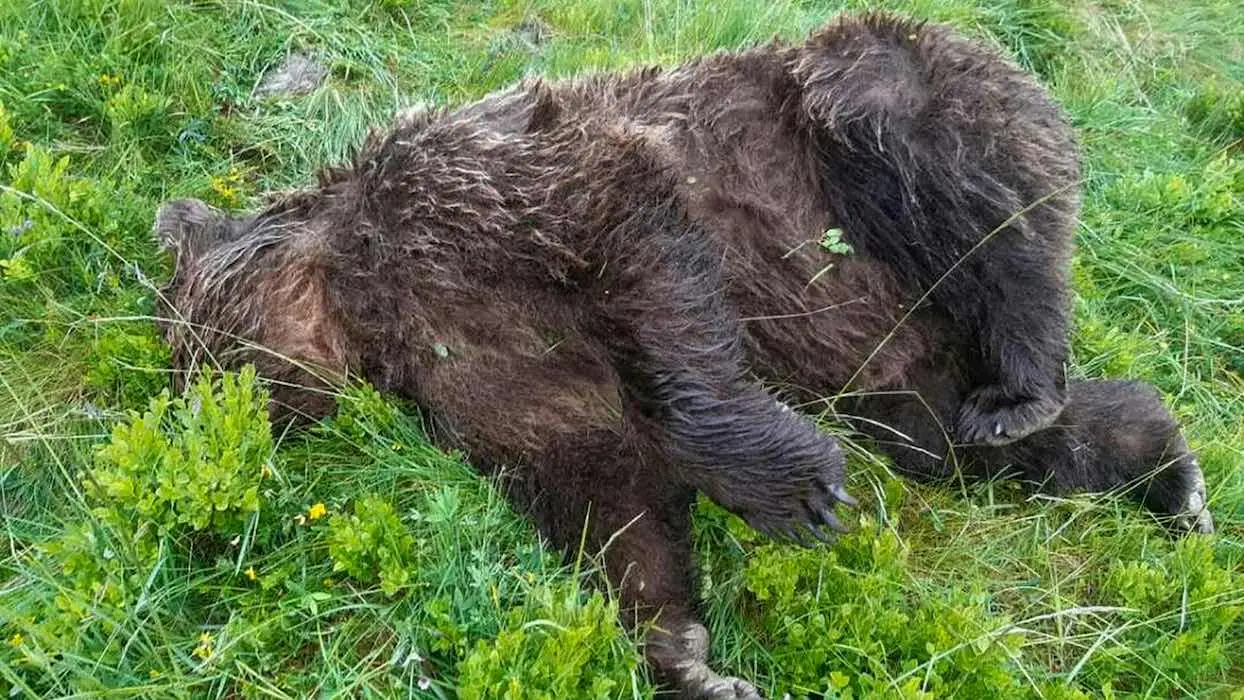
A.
pixel 355 560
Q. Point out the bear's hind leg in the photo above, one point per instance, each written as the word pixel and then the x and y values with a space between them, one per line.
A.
pixel 955 168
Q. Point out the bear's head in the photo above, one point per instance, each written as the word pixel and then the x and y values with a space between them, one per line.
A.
pixel 250 289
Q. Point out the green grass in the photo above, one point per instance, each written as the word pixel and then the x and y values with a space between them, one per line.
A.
pixel 418 579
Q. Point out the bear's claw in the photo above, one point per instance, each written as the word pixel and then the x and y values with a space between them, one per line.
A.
pixel 696 680
pixel 726 688
pixel 818 517
pixel 1194 515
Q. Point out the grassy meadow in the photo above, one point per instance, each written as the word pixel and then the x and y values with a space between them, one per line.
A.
pixel 175 546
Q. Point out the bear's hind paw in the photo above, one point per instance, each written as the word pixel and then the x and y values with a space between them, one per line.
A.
pixel 991 416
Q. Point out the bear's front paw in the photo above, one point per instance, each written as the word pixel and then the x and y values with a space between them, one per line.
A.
pixel 992 416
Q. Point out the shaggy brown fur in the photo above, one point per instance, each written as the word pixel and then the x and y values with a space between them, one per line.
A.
pixel 586 282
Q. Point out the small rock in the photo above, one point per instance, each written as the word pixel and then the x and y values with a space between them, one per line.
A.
pixel 533 31
pixel 298 74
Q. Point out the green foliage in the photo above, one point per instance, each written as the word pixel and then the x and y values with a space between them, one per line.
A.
pixel 197 461
pixel 33 212
pixel 363 415
pixel 1031 614
pixel 194 539
pixel 1188 607
pixel 1214 199
pixel 190 465
pixel 833 242
pixel 555 645
pixel 372 544
pixel 89 577
pixel 1215 109
pixel 127 364
pixel 6 134
pixel 1037 32
pixel 70 251
pixel 827 612
pixel 134 113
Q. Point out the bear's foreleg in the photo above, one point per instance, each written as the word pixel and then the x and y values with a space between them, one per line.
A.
pixel 612 489
pixel 594 482
pixel 1117 436
pixel 1112 436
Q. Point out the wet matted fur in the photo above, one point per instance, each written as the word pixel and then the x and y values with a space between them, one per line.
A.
pixel 604 285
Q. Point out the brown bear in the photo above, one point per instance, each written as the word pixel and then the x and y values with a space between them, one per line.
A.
pixel 605 285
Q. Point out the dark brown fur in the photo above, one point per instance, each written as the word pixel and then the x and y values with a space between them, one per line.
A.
pixel 585 282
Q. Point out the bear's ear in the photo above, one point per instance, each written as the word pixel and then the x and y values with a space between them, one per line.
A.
pixel 188 226
pixel 180 221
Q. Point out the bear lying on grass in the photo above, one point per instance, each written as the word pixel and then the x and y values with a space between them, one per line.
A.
pixel 604 285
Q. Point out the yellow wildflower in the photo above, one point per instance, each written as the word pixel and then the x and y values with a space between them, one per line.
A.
pixel 204 649
pixel 229 186
pixel 16 640
pixel 226 191
pixel 316 511
pixel 250 573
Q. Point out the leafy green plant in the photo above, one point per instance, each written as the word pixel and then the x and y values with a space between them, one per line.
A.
pixel 553 646
pixel 196 461
pixel 191 465
pixel 36 247
pixel 6 134
pixel 372 544
pixel 1187 606
pixel 832 241
pixel 89 576
pixel 1217 109
pixel 135 113
pixel 127 364
pixel 844 623
pixel 71 253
